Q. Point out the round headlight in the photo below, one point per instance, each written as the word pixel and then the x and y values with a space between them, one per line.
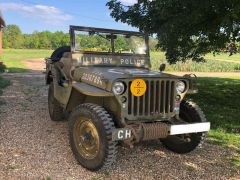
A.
pixel 118 88
pixel 180 87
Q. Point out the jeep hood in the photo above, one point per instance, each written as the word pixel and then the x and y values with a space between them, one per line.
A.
pixel 103 77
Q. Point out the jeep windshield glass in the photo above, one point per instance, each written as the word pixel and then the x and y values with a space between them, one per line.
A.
pixel 130 44
pixel 110 43
pixel 93 42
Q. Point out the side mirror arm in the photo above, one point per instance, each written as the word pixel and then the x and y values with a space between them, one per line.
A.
pixel 162 67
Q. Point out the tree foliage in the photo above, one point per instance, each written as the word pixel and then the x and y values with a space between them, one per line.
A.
pixel 13 38
pixel 185 29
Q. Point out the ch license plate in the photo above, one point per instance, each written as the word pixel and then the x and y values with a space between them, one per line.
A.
pixel 121 134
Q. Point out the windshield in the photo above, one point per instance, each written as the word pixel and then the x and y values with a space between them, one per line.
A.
pixel 92 42
pixel 110 43
pixel 130 44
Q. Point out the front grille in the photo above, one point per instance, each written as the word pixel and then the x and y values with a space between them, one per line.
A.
pixel 159 99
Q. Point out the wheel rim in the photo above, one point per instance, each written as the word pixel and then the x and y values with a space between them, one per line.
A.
pixel 86 138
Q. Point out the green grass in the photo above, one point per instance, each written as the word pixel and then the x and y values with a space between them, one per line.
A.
pixel 236 159
pixel 13 58
pixel 219 98
pixel 224 57
pixel 220 63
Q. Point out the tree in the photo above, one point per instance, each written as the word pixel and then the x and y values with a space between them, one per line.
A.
pixel 59 39
pixel 185 29
pixel 35 40
pixel 45 40
pixel 12 37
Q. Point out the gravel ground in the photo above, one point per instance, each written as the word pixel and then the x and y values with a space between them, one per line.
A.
pixel 34 147
pixel 37 64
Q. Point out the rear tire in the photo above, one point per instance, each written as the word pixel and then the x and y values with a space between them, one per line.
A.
pixel 58 53
pixel 181 144
pixel 56 111
pixel 90 133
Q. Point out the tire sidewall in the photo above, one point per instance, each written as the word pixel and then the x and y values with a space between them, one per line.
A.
pixel 194 115
pixel 98 161
pixel 58 53
pixel 50 99
pixel 56 111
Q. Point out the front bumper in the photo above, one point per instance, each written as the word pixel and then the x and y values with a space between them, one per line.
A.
pixel 189 128
pixel 149 131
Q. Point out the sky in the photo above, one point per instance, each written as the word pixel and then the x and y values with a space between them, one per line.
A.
pixel 57 15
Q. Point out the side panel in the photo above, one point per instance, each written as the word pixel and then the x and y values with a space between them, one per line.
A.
pixel 75 99
pixel 62 94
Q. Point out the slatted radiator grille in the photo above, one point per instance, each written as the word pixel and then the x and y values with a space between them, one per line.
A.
pixel 158 99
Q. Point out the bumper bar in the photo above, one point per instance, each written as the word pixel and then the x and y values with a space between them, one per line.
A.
pixel 189 128
pixel 149 131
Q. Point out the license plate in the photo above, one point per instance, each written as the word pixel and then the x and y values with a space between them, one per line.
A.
pixel 189 128
pixel 121 134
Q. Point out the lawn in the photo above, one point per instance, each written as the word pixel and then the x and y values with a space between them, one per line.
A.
pixel 224 57
pixel 13 58
pixel 218 63
pixel 219 99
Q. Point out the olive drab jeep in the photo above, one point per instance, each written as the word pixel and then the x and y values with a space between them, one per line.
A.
pixel 103 85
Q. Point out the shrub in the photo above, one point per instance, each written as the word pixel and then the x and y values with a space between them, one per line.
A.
pixel 2 67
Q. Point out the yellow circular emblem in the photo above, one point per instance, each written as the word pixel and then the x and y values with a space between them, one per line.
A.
pixel 138 87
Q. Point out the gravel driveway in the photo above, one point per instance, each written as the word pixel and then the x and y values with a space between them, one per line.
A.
pixel 34 147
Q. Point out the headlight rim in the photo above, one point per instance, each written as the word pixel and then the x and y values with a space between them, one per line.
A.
pixel 184 85
pixel 121 84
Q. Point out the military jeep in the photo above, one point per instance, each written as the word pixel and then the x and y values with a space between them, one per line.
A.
pixel 103 85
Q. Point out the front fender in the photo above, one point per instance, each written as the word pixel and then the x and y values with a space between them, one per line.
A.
pixel 91 90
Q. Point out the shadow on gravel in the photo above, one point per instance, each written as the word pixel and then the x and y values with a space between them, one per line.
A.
pixel 3 84
pixel 17 70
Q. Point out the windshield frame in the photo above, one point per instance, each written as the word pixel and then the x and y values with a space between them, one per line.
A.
pixel 112 32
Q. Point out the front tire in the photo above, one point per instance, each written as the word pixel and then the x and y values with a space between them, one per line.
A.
pixel 190 113
pixel 90 133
